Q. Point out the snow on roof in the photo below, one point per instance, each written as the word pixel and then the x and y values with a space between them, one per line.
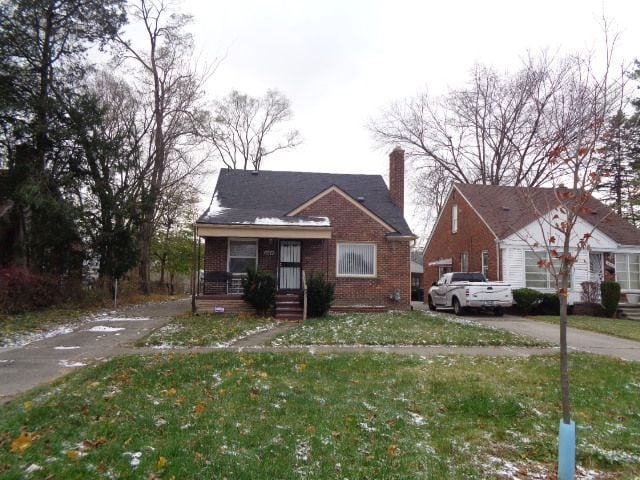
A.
pixel 303 222
pixel 215 208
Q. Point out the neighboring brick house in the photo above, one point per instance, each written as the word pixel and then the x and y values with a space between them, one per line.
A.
pixel 482 229
pixel 349 228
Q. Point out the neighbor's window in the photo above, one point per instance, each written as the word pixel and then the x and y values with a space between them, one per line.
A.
pixel 485 263
pixel 454 219
pixel 243 255
pixel 628 270
pixel 536 277
pixel 356 259
pixel 464 262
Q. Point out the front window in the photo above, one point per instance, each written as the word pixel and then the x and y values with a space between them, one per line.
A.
pixel 628 270
pixel 537 277
pixel 454 219
pixel 243 256
pixel 464 262
pixel 485 263
pixel 356 260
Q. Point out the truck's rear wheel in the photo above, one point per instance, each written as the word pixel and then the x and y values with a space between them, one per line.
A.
pixel 457 308
pixel 432 307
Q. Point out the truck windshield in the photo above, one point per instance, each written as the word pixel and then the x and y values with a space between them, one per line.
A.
pixel 468 277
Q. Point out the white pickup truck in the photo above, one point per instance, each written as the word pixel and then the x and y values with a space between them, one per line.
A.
pixel 461 291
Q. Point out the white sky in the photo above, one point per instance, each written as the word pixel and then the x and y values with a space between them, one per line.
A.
pixel 341 62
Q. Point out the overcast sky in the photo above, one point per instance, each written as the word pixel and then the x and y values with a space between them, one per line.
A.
pixel 341 62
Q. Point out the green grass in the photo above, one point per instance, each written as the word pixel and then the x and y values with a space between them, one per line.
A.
pixel 618 327
pixel 415 328
pixel 285 416
pixel 204 330
pixel 13 326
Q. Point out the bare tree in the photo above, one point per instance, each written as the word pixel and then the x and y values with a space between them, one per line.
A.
pixel 495 131
pixel 167 77
pixel 244 130
pixel 578 123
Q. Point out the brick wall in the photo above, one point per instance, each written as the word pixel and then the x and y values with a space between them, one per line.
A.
pixel 350 224
pixel 473 236
pixel 215 260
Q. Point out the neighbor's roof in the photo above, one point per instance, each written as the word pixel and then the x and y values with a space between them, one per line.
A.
pixel 266 197
pixel 509 209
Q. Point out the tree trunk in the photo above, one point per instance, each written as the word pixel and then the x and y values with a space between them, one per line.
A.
pixel 564 361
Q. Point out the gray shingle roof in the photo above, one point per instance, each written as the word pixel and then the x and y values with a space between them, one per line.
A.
pixel 243 196
pixel 508 209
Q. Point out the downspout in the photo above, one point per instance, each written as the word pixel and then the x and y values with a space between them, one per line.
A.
pixel 499 272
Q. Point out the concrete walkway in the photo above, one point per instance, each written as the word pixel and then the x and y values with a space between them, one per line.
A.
pixel 577 340
pixel 95 338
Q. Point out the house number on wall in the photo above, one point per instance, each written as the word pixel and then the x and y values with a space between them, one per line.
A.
pixel 269 253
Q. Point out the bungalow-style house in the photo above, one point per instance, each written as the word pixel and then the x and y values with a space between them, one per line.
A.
pixel 349 228
pixel 493 229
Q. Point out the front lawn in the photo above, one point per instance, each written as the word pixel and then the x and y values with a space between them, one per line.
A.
pixel 205 330
pixel 618 327
pixel 296 415
pixel 398 328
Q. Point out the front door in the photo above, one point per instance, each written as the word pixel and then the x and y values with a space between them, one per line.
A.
pixel 289 271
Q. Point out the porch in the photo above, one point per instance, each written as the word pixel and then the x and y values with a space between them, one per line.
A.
pixel 227 259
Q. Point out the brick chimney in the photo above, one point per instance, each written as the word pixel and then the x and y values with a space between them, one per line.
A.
pixel 396 177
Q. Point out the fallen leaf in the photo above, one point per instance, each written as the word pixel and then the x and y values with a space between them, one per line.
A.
pixel 22 442
pixel 392 450
pixel 72 455
pixel 199 409
pixel 263 374
pixel 170 392
pixel 311 429
pixel 27 405
pixel 162 462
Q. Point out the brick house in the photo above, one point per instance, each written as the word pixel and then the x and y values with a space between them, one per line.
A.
pixel 349 228
pixel 482 228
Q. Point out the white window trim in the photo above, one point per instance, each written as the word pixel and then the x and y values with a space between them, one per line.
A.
pixel 229 240
pixel 454 218
pixel 462 266
pixel 350 275
pixel 484 266
pixel 628 271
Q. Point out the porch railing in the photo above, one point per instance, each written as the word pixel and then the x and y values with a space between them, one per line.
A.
pixel 220 283
pixel 304 296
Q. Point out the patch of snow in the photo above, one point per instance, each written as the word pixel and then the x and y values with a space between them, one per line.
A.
pixel 34 467
pixel 20 340
pixel 282 221
pixel 69 364
pixel 135 458
pixel 215 208
pixel 303 450
pixel 417 420
pixel 62 347
pixel 366 427
pixel 615 456
pixel 102 328
pixel 121 319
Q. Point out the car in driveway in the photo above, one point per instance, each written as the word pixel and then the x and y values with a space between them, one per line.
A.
pixel 462 291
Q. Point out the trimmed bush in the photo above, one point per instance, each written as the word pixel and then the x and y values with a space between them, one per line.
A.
pixel 549 305
pixel 320 295
pixel 610 294
pixel 259 290
pixel 526 300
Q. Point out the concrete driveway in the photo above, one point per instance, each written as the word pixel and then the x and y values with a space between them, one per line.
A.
pixel 577 340
pixel 96 337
